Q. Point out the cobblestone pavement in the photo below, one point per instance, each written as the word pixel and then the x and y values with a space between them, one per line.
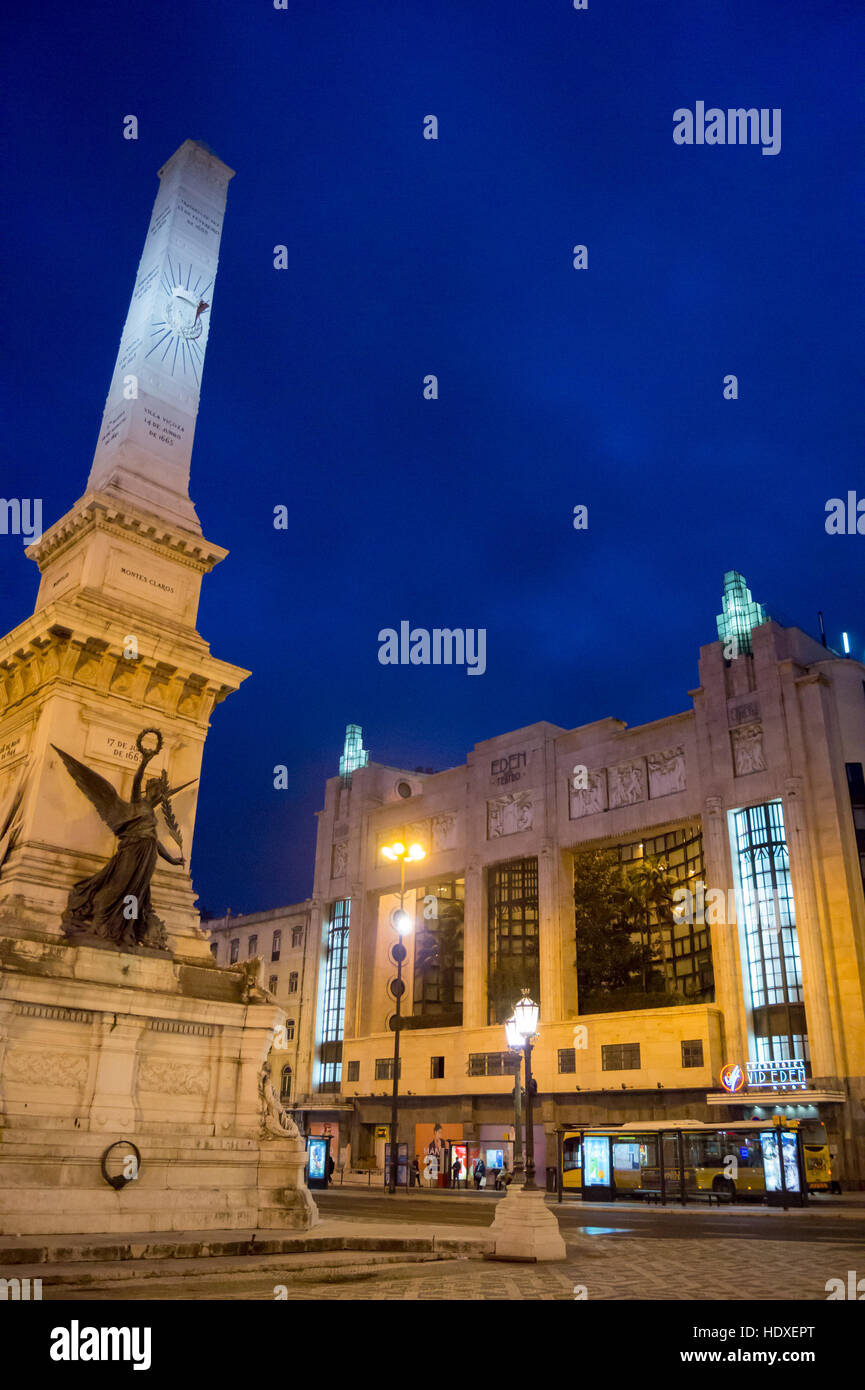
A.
pixel 638 1269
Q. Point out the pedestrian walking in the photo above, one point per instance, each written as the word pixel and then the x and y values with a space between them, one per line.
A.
pixel 480 1175
pixel 455 1173
pixel 414 1173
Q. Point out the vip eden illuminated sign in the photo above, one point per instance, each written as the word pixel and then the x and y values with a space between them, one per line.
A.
pixel 765 1076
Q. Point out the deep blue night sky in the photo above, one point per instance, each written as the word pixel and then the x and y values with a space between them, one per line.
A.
pixel 407 257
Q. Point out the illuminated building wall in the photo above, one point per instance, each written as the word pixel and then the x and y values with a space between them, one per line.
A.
pixel 748 790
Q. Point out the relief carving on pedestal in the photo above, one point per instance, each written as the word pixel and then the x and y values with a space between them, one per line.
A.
pixel 174 1078
pixel 666 772
pixel 32 1068
pixel 507 815
pixel 589 800
pixel 339 859
pixel 627 783
pixel 125 675
pixel 191 699
pixel 748 754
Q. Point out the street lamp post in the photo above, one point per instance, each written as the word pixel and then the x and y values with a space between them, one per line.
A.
pixel 515 1045
pixel 402 924
pixel 524 1228
pixel 526 1014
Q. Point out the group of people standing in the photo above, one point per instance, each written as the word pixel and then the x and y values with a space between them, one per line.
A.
pixel 479 1174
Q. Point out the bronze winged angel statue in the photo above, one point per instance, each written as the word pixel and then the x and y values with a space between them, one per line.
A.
pixel 114 903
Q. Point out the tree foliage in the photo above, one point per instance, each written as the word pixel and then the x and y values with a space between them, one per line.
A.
pixel 623 915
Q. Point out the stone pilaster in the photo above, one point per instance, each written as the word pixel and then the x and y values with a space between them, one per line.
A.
pixel 726 955
pixel 821 1034
pixel 475 949
pixel 551 928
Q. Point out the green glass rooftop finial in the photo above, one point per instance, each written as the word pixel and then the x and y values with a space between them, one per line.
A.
pixel 354 755
pixel 739 613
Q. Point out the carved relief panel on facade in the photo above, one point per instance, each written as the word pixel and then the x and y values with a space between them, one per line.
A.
pixel 417 832
pixel 748 754
pixel 444 833
pixel 339 858
pixel 627 782
pixel 666 772
pixel 435 835
pixel 507 815
pixel 588 800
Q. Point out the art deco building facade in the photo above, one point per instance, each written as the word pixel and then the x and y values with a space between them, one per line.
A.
pixel 756 789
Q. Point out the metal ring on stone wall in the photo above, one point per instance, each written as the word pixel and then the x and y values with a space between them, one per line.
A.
pixel 119 1179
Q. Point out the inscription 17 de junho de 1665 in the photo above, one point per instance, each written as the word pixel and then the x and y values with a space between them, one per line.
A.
pixel 123 749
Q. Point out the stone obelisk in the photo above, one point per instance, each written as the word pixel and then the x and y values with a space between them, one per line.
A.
pixel 145 443
pixel 144 1047
pixel 112 646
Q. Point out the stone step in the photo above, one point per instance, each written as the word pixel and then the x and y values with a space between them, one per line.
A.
pixel 315 1267
pixel 35 1252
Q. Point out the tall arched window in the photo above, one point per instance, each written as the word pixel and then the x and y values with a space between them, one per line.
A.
pixel 285 1084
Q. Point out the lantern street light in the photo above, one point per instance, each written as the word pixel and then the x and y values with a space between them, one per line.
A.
pixel 402 924
pixel 526 1014
pixel 515 1044
pixel 524 1227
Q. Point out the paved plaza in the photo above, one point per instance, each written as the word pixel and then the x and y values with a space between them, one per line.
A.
pixel 605 1266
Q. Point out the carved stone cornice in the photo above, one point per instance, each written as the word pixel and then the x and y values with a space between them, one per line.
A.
pixel 96 511
pixel 190 689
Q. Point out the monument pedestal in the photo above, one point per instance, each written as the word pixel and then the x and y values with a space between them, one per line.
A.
pixel 524 1228
pixel 98 1047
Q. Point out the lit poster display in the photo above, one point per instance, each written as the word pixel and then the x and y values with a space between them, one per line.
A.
pixel 597 1161
pixel 772 1165
pixel 791 1166
pixel 316 1159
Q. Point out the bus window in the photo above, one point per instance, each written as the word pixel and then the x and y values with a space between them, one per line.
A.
pixel 571 1155
pixel 626 1163
pixel 729 1162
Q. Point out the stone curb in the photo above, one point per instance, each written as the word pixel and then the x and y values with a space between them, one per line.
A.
pixel 134 1251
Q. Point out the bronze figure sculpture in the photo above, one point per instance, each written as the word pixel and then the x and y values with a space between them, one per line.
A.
pixel 114 904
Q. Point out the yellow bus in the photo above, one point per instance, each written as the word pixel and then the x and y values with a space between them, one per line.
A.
pixel 739 1158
